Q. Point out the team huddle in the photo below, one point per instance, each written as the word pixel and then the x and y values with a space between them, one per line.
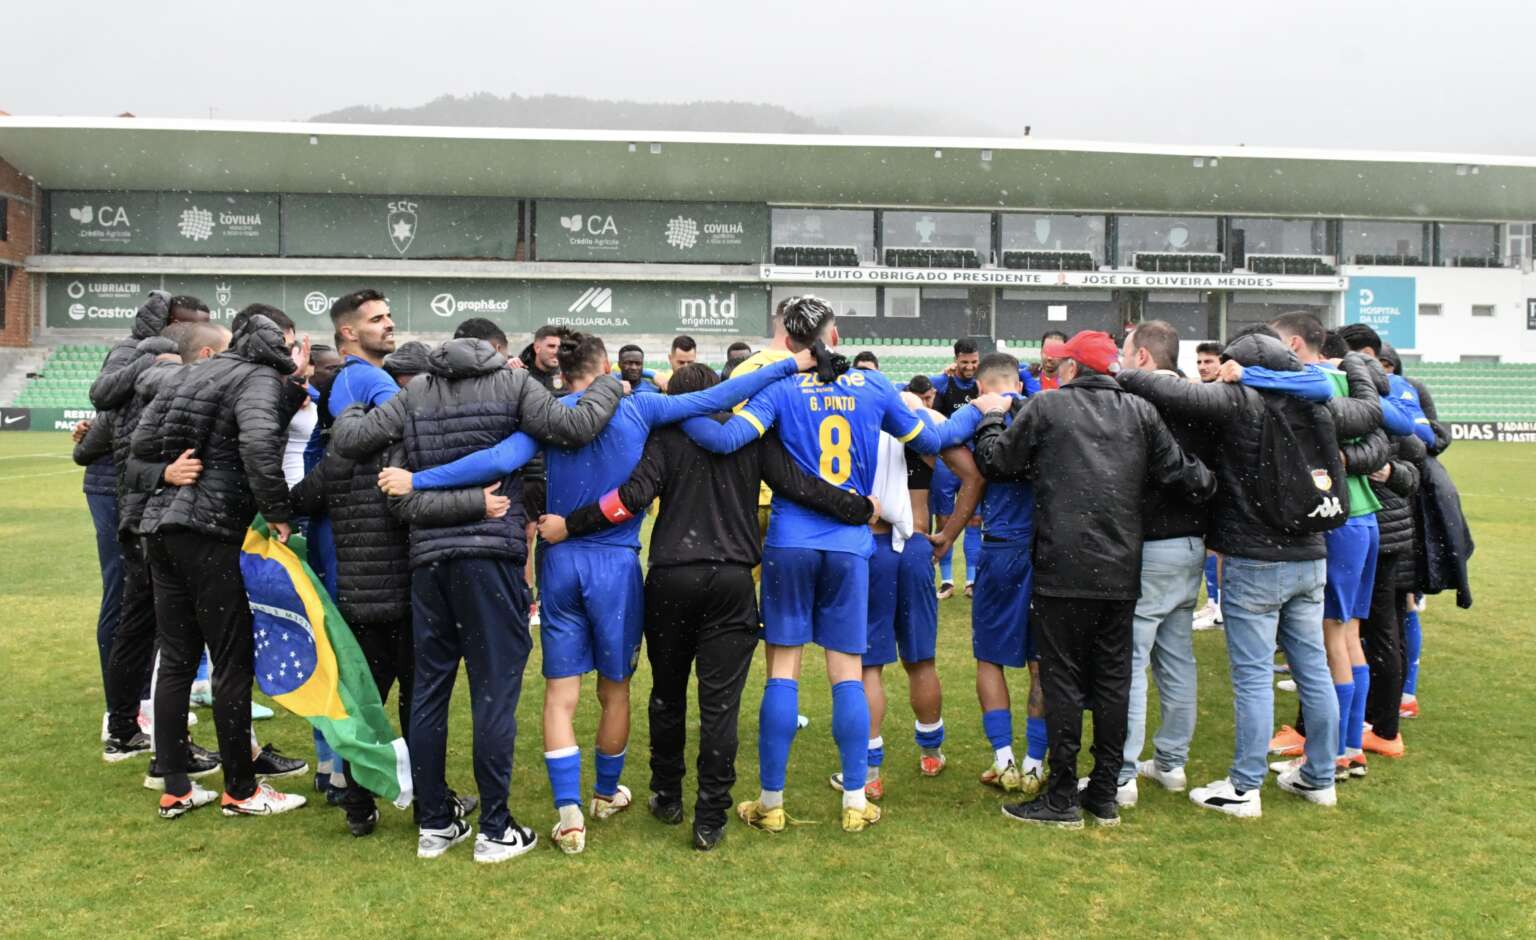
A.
pixel 802 500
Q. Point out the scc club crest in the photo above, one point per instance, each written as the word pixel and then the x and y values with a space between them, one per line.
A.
pixel 401 223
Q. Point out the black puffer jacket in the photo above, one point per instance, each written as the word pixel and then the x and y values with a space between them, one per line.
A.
pixel 1168 513
pixel 1235 414
pixel 373 576
pixel 1092 451
pixel 136 478
pixel 232 410
pixel 1395 518
pixel 469 401
pixel 94 453
pixel 113 387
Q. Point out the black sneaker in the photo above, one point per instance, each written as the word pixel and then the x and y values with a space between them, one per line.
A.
pixel 363 825
pixel 117 749
pixel 462 805
pixel 1041 813
pixel 668 809
pixel 200 763
pixel 705 838
pixel 1103 814
pixel 271 763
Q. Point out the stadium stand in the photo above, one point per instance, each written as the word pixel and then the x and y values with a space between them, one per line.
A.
pixel 64 379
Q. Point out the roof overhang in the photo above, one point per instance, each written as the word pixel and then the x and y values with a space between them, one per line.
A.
pixel 977 173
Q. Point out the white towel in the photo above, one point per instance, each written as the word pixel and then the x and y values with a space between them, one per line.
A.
pixel 891 490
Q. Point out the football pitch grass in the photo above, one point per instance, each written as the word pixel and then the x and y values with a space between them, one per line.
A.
pixel 1438 843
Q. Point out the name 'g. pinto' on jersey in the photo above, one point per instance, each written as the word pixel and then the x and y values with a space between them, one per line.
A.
pixel 831 429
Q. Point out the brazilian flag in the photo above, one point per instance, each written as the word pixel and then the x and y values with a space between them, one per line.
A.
pixel 309 662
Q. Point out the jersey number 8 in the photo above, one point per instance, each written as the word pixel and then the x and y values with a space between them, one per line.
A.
pixel 836 440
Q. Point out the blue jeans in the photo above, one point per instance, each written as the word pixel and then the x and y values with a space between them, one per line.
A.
pixel 1170 584
pixel 1262 602
pixel 110 556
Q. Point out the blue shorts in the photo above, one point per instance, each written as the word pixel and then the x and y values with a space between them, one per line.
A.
pixel 941 496
pixel 903 608
pixel 591 609
pixel 815 596
pixel 1000 632
pixel 1351 568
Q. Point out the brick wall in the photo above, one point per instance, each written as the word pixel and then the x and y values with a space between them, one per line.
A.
pixel 23 203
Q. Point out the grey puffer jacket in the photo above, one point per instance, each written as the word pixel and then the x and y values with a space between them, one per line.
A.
pixel 1235 415
pixel 469 401
pixel 232 411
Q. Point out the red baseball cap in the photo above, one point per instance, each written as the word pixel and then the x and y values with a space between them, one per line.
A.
pixel 1092 348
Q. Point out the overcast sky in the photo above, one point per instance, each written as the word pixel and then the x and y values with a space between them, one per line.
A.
pixel 1363 74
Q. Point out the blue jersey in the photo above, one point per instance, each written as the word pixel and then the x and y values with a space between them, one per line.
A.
pixel 360 381
pixel 1008 509
pixel 581 476
pixel 1406 397
pixel 833 431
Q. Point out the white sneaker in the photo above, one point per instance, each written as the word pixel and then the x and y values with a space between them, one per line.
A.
pixel 606 806
pixel 431 843
pixel 1290 781
pixel 173 806
pixel 1207 618
pixel 1222 797
pixel 1286 766
pixel 533 614
pixel 202 693
pixel 105 736
pixel 264 802
pixel 1125 793
pixel 514 842
pixel 1286 685
pixel 1172 780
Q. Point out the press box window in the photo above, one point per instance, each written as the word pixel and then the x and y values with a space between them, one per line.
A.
pixel 1429 310
pixel 823 237
pixel 1483 310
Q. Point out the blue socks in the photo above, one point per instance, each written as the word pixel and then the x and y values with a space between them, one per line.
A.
pixel 777 722
pixel 1346 693
pixel 203 671
pixel 972 543
pixel 850 728
pixel 947 566
pixel 1413 637
pixel 609 766
pixel 1034 729
pixel 998 727
pixel 564 766
pixel 1362 676
pixel 1212 585
pixel 930 737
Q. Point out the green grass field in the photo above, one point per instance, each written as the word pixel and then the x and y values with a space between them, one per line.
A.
pixel 1439 843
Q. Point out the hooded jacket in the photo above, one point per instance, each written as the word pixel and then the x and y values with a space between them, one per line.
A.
pixel 1235 416
pixel 468 401
pixel 232 411
pixel 113 387
pixel 1092 451
pixel 373 575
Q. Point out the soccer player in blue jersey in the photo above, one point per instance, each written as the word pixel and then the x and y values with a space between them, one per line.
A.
pixel 815 578
pixel 903 610
pixel 1000 633
pixel 591 586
